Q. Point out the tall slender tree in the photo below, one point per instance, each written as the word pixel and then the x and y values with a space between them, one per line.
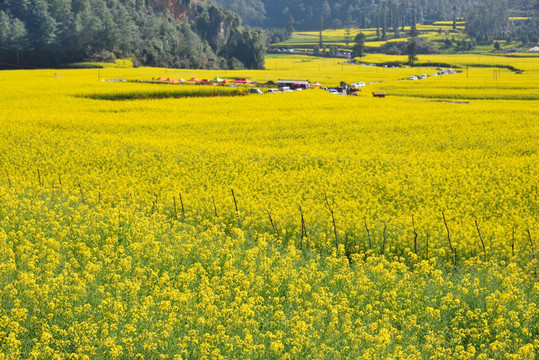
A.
pixel 347 30
pixel 321 23
pixel 358 49
pixel 413 46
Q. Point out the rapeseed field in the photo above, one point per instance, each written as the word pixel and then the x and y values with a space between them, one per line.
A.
pixel 437 31
pixel 299 225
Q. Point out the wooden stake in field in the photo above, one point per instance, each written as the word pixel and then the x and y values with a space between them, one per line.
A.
pixel 334 225
pixel 347 251
pixel 533 251
pixel 181 204
pixel 80 190
pixel 39 178
pixel 427 246
pixel 453 251
pixel 368 234
pixel 154 204
pixel 384 242
pixel 415 235
pixel 214 207
pixel 531 244
pixel 273 225
pixel 175 210
pixel 236 206
pixel 303 230
pixel 513 243
pixel 481 238
pixel 119 219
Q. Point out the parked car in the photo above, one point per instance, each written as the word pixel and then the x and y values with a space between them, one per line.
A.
pixel 423 76
pixel 335 91
pixel 357 85
pixel 413 77
pixel 255 91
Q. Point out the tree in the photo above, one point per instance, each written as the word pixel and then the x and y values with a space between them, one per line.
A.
pixel 454 17
pixel 413 32
pixel 290 25
pixel 384 22
pixel 13 37
pixel 5 27
pixel 42 24
pixel 358 50
pixel 487 19
pixel 325 10
pixel 321 40
pixel 364 14
pixel 252 12
pixel 251 48
pixel 58 32
pixel 18 38
pixel 413 46
pixel 336 24
pixel 347 31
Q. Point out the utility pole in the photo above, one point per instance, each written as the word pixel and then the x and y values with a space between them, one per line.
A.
pixel 321 20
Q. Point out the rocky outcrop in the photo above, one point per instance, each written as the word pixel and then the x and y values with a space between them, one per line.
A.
pixel 220 28
pixel 179 8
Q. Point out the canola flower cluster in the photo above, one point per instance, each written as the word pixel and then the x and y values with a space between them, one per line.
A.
pixel 120 236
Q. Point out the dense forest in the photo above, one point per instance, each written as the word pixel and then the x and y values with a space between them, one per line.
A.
pixel 174 33
pixel 485 18
pixel 208 34
pixel 362 13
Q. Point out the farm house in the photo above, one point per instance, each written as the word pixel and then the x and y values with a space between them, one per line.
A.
pixel 294 84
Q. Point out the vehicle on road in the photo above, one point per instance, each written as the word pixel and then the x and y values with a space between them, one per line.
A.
pixel 357 85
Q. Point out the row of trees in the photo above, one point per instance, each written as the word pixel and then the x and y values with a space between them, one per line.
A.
pixel 362 13
pixel 56 32
pixel 485 18
pixel 489 20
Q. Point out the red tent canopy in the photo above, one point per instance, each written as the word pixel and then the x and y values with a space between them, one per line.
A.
pixel 316 84
pixel 194 79
pixel 160 79
pixel 173 81
pixel 205 81
pixel 225 81
pixel 242 81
